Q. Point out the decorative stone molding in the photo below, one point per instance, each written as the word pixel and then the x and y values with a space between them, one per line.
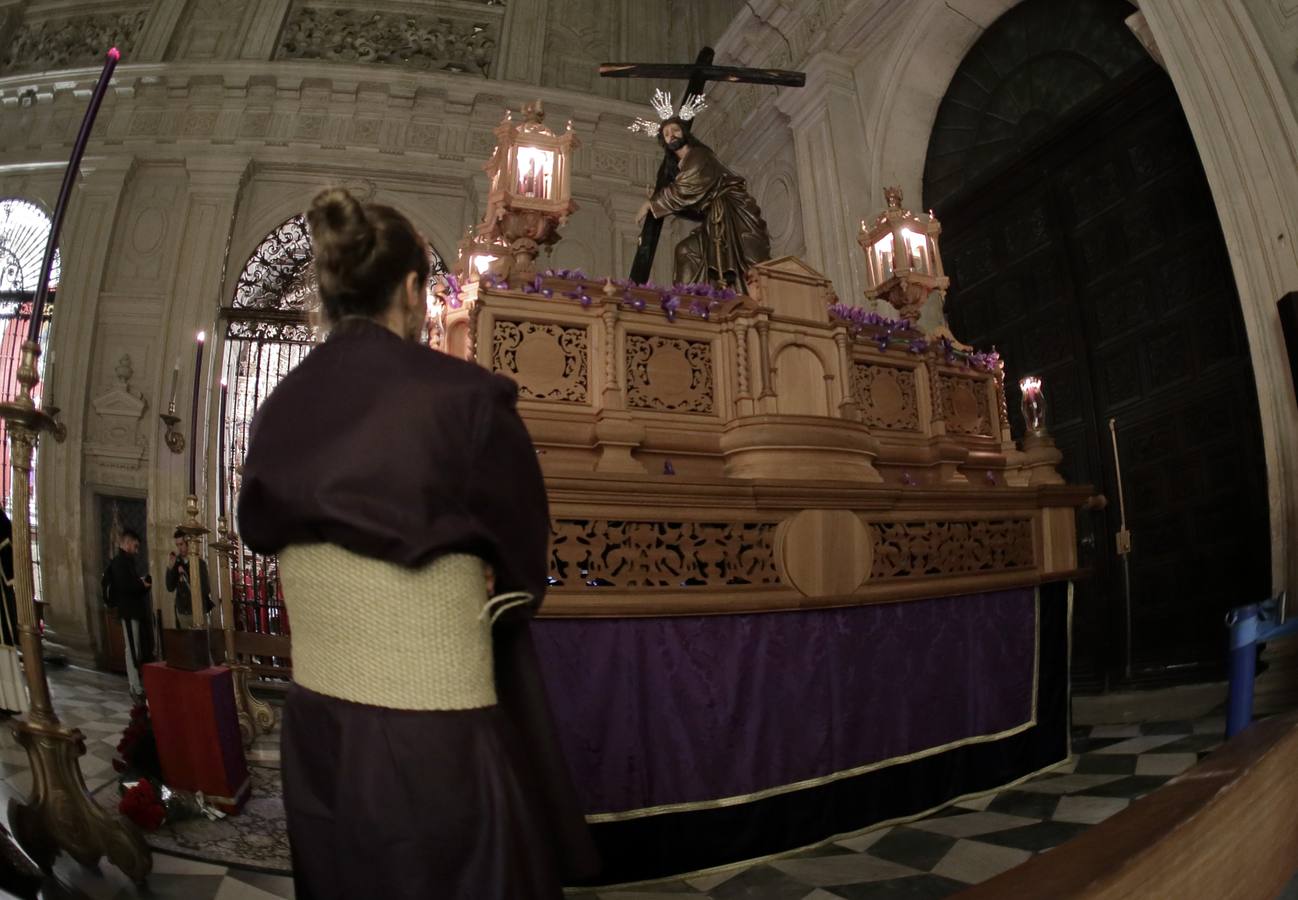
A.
pixel 445 41
pixel 70 42
pixel 115 436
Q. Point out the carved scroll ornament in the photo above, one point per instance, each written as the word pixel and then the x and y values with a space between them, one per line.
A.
pixel 549 361
pixel 668 374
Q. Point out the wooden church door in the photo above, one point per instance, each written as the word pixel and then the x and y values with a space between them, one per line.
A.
pixel 1093 257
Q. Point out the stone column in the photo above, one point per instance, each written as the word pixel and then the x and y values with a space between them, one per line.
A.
pixel 621 207
pixel 829 139
pixel 215 184
pixel 1246 132
pixel 159 28
pixel 65 504
pixel 522 41
pixel 262 23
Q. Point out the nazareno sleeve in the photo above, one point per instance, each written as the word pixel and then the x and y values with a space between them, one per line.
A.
pixel 507 495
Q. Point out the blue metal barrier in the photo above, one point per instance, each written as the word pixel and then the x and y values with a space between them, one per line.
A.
pixel 1249 626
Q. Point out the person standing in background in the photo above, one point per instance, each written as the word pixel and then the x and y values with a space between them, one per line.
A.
pixel 128 592
pixel 177 580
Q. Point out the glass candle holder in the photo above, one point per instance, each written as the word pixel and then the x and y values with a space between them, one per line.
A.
pixel 1033 405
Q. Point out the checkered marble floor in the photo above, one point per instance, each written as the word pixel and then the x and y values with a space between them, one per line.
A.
pixel 975 839
pixel 934 857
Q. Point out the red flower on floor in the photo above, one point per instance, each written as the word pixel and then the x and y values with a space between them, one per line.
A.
pixel 142 805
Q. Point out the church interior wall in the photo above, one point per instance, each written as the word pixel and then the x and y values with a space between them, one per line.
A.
pixel 213 83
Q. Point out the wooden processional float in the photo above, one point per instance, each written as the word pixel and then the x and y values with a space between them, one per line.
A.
pixel 773 450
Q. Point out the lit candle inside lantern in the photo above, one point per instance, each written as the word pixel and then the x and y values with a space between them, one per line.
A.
pixel 220 455
pixel 61 205
pixel 1034 404
pixel 193 416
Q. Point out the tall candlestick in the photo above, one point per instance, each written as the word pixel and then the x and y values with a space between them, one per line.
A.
pixel 175 380
pixel 61 205
pixel 193 417
pixel 220 455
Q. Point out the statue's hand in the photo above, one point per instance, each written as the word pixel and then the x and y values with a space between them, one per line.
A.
pixel 644 212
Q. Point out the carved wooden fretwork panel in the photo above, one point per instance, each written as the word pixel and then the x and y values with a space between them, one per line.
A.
pixel 887 396
pixel 610 553
pixel 964 405
pixel 68 43
pixel 549 361
pixel 668 374
pixel 431 41
pixel 908 549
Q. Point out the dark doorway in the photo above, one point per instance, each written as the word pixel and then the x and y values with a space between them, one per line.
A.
pixel 1089 252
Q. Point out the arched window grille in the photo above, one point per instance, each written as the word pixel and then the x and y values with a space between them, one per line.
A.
pixel 24 231
pixel 269 329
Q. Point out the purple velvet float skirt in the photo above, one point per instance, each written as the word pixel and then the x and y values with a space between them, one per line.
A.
pixel 410 804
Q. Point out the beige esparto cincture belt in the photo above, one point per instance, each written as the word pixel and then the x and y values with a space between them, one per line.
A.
pixel 375 632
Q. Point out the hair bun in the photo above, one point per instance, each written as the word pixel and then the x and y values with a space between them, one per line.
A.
pixel 362 253
pixel 342 237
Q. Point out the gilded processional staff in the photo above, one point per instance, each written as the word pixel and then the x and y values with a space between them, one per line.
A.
pixel 731 237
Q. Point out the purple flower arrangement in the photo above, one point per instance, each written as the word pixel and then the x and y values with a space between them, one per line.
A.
pixel 453 291
pixel 860 318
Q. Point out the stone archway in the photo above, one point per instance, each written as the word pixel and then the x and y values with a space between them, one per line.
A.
pixel 1247 137
pixel 1039 62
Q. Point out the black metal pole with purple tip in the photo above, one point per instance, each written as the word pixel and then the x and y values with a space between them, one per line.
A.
pixel 65 191
pixel 59 814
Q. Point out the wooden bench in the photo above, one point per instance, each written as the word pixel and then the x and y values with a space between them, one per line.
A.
pixel 1228 828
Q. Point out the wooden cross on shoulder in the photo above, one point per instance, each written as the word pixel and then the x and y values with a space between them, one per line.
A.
pixel 698 74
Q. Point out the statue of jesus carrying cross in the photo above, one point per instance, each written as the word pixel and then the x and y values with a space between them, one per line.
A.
pixel 731 237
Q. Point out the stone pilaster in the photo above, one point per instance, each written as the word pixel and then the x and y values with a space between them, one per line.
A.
pixel 65 503
pixel 522 42
pixel 829 137
pixel 215 184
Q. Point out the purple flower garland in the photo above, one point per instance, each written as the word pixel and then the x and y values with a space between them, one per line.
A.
pixel 886 333
pixel 703 299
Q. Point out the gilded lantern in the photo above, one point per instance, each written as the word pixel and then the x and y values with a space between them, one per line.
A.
pixel 902 261
pixel 531 188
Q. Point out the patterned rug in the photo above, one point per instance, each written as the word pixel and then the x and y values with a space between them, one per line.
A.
pixel 256 839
